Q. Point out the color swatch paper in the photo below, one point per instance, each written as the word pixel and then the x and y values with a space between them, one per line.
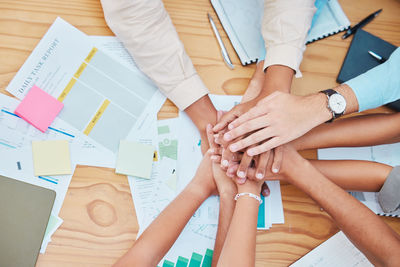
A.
pixel 135 159
pixel 39 108
pixel 51 157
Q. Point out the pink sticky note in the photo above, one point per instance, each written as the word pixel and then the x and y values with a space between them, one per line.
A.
pixel 39 108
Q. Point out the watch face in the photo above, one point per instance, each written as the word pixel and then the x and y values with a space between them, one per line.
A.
pixel 337 103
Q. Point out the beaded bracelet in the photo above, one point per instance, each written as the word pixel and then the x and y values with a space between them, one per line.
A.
pixel 258 198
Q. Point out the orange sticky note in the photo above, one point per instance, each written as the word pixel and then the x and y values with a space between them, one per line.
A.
pixel 39 108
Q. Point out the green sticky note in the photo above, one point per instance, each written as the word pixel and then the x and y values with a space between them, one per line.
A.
pixel 135 159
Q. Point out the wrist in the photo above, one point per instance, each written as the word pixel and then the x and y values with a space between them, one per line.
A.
pixel 302 166
pixel 202 112
pixel 319 105
pixel 228 194
pixel 201 190
pixel 249 187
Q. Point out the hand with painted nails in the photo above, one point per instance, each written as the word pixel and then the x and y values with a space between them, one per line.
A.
pixel 277 119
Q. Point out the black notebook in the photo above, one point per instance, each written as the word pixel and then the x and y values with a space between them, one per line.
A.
pixel 358 61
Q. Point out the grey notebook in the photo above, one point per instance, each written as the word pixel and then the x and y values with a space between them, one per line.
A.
pixel 24 213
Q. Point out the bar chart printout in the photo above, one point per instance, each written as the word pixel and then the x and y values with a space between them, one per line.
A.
pixel 196 260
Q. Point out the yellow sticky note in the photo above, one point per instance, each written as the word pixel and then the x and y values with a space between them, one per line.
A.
pixel 135 159
pixel 51 157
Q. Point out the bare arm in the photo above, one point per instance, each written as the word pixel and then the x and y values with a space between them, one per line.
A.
pixel 349 132
pixel 365 229
pixel 240 244
pixel 167 226
pixel 354 175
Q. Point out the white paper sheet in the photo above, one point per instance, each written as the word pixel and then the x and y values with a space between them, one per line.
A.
pixel 336 251
pixel 102 98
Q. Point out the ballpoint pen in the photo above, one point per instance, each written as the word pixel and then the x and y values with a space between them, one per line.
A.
pixel 361 24
pixel 221 44
pixel 377 57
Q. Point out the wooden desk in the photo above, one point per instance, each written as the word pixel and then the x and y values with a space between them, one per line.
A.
pixel 99 219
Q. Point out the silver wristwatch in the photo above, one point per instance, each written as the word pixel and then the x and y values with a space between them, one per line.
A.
pixel 336 103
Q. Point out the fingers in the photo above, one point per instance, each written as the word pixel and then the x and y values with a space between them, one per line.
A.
pixel 220 113
pixel 244 165
pixel 227 157
pixel 225 119
pixel 252 139
pixel 251 114
pixel 215 158
pixel 210 138
pixel 266 146
pixel 278 156
pixel 232 169
pixel 262 107
pixel 247 127
pixel 265 190
pixel 262 164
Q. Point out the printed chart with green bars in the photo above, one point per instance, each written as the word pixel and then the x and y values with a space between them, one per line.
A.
pixel 196 260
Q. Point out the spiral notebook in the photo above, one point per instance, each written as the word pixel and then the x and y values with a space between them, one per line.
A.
pixel 241 20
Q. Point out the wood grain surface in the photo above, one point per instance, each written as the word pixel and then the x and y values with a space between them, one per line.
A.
pixel 99 218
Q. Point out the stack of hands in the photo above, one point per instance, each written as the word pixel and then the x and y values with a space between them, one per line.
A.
pixel 248 172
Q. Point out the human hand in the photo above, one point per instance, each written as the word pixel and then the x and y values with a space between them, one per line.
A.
pixel 225 185
pixel 203 181
pixel 249 99
pixel 275 120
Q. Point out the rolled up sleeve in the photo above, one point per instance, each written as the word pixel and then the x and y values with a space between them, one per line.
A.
pixel 378 86
pixel 147 32
pixel 284 28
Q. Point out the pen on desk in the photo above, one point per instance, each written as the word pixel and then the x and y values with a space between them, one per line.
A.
pixel 377 57
pixel 220 43
pixel 361 24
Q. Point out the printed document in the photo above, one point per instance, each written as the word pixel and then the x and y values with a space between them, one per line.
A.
pixel 102 98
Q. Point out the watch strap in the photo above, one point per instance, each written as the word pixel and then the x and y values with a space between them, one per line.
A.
pixel 328 93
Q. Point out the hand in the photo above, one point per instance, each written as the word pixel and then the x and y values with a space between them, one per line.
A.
pixel 277 119
pixel 249 99
pixel 225 185
pixel 203 181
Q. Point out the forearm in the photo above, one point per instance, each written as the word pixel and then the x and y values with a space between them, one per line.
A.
pixel 165 229
pixel 147 32
pixel 349 132
pixel 240 245
pixel 202 112
pixel 226 209
pixel 285 26
pixel 379 85
pixel 362 227
pixel 354 175
pixel 277 78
